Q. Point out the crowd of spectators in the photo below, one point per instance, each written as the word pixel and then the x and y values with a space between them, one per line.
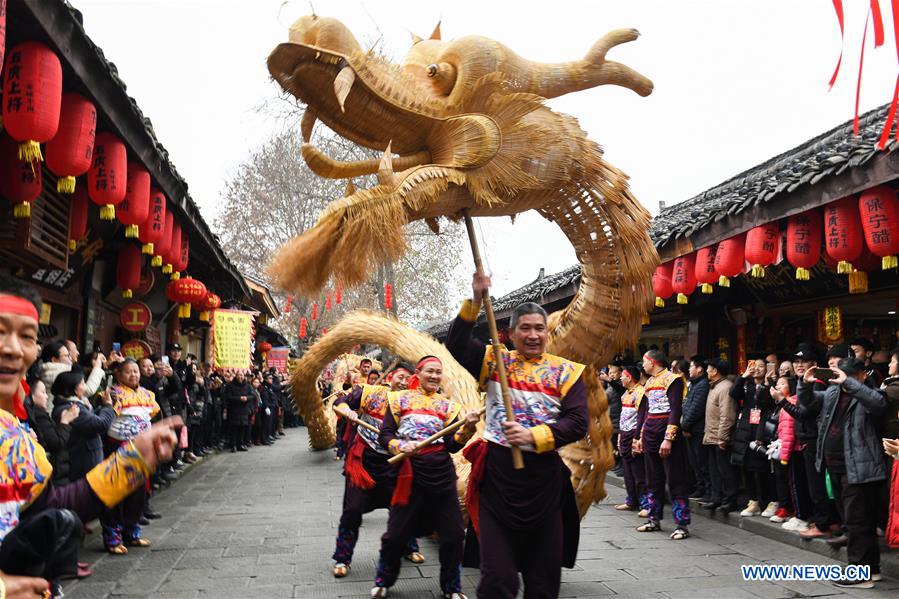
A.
pixel 808 442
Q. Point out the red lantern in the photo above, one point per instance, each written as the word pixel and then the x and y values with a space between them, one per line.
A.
pixel 69 152
pixel 174 254
pixel 288 304
pixel 328 303
pixel 183 254
pixel 661 283
pixel 324 331
pixel 128 269
pixel 705 268
pixel 303 328
pixel 264 348
pixel 388 296
pixel 20 182
pixel 314 311
pixel 339 295
pixel 843 233
pixel 185 292
pixel 153 228
pixel 32 97
pixel 729 259
pixel 879 211
pixel 208 304
pixel 762 247
pixel 804 235
pixel 107 176
pixel 162 247
pixel 683 277
pixel 135 208
pixel 78 217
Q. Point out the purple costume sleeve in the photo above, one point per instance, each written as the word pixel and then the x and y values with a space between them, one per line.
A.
pixel 77 497
pixel 353 400
pixel 464 347
pixel 676 401
pixel 571 425
pixel 388 430
pixel 641 420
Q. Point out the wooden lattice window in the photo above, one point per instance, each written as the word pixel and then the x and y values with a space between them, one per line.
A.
pixel 41 240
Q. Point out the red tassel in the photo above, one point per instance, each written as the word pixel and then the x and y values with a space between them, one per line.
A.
pixel 403 488
pixel 355 470
pixel 288 304
pixel 414 382
pixel 838 6
pixel 476 454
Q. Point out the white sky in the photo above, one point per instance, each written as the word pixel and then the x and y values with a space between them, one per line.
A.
pixel 736 82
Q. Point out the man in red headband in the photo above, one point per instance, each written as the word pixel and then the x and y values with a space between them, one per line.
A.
pixel 39 523
pixel 425 498
pixel 525 520
pixel 370 480
pixel 663 445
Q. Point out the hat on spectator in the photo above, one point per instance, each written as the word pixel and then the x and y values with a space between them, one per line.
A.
pixel 840 350
pixel 852 365
pixel 722 366
pixel 805 352
pixel 864 342
pixel 173 346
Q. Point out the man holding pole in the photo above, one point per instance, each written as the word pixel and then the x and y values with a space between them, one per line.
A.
pixel 369 478
pixel 525 519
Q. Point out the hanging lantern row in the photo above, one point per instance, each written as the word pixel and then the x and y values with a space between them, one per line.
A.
pixel 857 234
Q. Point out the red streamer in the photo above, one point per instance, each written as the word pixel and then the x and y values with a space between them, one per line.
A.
pixel 858 85
pixel 838 7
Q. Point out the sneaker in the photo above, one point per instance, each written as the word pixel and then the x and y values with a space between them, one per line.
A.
pixel 854 584
pixel 876 576
pixel 795 524
pixel 752 509
pixel 771 510
pixel 780 516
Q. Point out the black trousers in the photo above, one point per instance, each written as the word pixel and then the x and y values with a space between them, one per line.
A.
pixel 698 456
pixel 783 483
pixel 723 476
pixel 238 435
pixel 823 509
pixel 45 545
pixel 759 486
pixel 860 509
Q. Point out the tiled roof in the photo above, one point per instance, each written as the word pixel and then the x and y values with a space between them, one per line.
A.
pixel 830 153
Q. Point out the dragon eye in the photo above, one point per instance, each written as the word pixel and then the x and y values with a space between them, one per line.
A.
pixel 432 70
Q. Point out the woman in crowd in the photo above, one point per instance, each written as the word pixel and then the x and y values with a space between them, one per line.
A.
pixel 52 432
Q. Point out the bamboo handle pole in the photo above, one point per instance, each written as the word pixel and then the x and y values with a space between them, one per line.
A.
pixel 357 422
pixel 438 435
pixel 517 458
pixel 385 372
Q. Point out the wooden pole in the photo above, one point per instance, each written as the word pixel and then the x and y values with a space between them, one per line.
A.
pixel 386 371
pixel 517 458
pixel 357 422
pixel 438 435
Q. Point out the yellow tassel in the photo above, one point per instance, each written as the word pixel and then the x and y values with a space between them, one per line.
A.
pixel 22 210
pixel 723 281
pixel 183 310
pixel 156 261
pixel 858 282
pixel 127 294
pixel 844 268
pixel 167 269
pixel 802 274
pixel 204 316
pixel 176 275
pixel 758 271
pixel 107 212
pixel 707 289
pixel 30 151
pixel 644 319
pixel 73 245
pixel 660 303
pixel 65 185
pixel 888 262
pixel 147 248
pixel 131 232
pixel 682 299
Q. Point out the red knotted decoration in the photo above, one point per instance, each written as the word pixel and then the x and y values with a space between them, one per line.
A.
pixel 69 152
pixel 314 311
pixel 303 328
pixel 150 232
pixel 107 176
pixel 20 182
pixel 324 330
pixel 328 303
pixel 339 295
pixel 32 97
pixel 78 217
pixel 762 246
pixel 843 233
pixel 879 211
pixel 661 283
pixel 128 269
pixel 135 208
pixel 288 304
pixel 729 259
pixel 705 268
pixel 683 277
pixel 388 296
pixel 804 235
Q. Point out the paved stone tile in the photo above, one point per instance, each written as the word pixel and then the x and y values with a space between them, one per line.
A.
pixel 261 524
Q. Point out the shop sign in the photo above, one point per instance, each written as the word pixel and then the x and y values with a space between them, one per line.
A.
pixel 135 317
pixel 830 325
pixel 136 349
pixel 46 313
pixel 277 358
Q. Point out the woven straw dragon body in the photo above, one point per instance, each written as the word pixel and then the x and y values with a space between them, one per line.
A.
pixel 463 125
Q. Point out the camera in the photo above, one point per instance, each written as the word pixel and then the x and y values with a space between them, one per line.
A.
pixel 756 446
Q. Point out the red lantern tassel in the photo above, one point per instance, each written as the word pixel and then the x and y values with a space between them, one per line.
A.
pixel 107 212
pixel 802 274
pixel 723 281
pixel 682 299
pixel 888 262
pixel 66 185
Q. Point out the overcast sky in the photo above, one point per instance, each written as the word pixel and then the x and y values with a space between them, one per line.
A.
pixel 736 82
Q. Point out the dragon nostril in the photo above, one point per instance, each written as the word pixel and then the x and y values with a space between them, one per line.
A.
pixel 432 70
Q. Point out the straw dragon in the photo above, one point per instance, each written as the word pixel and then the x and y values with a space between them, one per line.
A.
pixel 469 126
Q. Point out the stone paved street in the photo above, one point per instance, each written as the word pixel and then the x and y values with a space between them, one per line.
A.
pixel 261 524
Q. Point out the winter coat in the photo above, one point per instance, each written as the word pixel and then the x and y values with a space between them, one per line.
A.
pixel 891 416
pixel 53 437
pixel 86 437
pixel 720 413
pixel 693 418
pixel 238 411
pixel 862 446
pixel 805 412
pixel 786 432
pixel 199 404
pixel 750 397
pixel 614 391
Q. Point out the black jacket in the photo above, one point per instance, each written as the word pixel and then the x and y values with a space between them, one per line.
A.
pixel 693 417
pixel 53 437
pixel 865 460
pixel 156 384
pixel 614 391
pixel 749 397
pixel 238 411
pixel 891 416
pixel 86 438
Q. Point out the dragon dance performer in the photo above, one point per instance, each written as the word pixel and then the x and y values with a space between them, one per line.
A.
pixel 523 520
pixel 40 523
pixel 370 480
pixel 634 470
pixel 425 498
pixel 352 380
pixel 664 450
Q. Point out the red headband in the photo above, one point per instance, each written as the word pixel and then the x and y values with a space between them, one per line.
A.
pixel 656 362
pixel 424 361
pixel 13 304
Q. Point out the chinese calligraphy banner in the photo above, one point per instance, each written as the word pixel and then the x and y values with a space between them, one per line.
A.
pixel 277 358
pixel 830 325
pixel 232 339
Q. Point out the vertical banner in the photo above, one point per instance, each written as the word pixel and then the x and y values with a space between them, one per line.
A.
pixel 741 348
pixel 830 325
pixel 277 358
pixel 232 340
